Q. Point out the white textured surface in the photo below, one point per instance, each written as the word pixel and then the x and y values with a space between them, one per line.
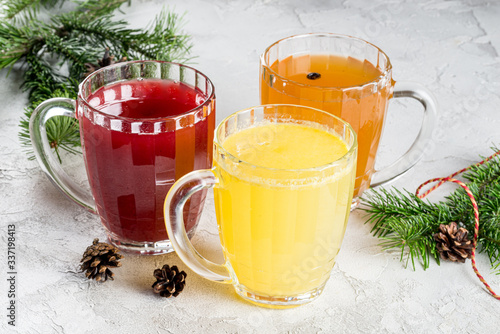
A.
pixel 449 46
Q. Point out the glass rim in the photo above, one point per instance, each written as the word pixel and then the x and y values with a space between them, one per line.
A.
pixel 347 155
pixel 380 77
pixel 207 100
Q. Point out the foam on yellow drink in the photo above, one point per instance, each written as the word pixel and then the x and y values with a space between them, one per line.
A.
pixel 281 224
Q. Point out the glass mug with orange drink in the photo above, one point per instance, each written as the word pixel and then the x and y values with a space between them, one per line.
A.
pixel 143 125
pixel 352 79
pixel 283 180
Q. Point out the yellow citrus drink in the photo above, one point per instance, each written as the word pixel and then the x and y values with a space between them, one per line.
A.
pixel 282 204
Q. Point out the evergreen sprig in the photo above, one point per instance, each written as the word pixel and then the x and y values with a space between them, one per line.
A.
pixel 404 221
pixel 55 53
pixel 24 9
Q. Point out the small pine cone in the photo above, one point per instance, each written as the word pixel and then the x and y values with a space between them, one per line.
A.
pixel 452 243
pixel 97 260
pixel 169 281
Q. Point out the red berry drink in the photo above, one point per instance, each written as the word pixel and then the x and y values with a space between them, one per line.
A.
pixel 142 136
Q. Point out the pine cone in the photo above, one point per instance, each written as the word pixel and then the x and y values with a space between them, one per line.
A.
pixel 97 260
pixel 169 281
pixel 452 243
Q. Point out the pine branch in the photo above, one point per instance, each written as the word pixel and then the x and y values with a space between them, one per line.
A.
pixel 15 42
pixel 395 204
pixel 24 10
pixel 405 221
pixel 93 9
pixel 71 51
pixel 56 54
pixel 411 235
pixel 161 40
pixel 168 44
pixel 15 8
pixel 402 220
pixel 41 81
pixel 42 84
pixel 102 32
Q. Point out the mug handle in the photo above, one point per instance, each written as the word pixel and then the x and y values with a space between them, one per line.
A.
pixel 424 137
pixel 43 153
pixel 176 198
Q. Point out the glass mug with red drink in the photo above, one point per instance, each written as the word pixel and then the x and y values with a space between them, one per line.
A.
pixel 351 79
pixel 143 125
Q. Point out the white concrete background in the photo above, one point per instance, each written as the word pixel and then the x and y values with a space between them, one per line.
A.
pixel 449 46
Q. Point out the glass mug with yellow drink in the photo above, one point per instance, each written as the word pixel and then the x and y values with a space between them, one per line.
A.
pixel 352 79
pixel 283 180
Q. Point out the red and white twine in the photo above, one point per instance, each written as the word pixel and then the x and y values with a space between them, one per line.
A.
pixel 450 178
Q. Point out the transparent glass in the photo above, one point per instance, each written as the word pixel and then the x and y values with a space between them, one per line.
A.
pixel 280 229
pixel 132 162
pixel 291 70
